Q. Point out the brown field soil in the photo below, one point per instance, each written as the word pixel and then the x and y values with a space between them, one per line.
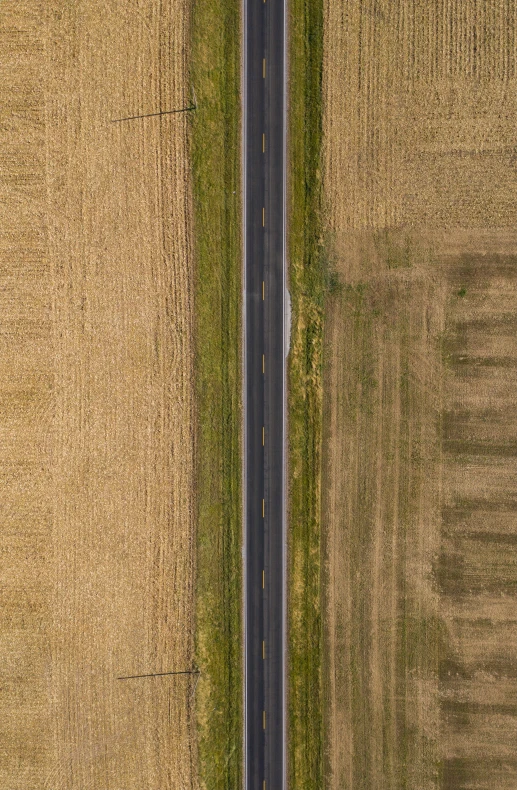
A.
pixel 96 398
pixel 420 395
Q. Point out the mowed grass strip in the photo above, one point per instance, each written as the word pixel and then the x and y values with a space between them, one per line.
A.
pixel 380 463
pixel 216 166
pixel 307 286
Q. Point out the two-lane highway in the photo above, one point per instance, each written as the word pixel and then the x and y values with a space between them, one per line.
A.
pixel 264 144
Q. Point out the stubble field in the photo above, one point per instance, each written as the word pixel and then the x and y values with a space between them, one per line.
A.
pixel 96 399
pixel 420 407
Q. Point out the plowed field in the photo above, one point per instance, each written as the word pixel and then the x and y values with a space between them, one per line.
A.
pixel 96 398
pixel 420 394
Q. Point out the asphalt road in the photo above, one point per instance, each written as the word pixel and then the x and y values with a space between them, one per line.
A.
pixel 264 137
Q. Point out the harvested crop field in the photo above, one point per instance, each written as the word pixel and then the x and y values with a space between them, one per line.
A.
pixel 96 398
pixel 420 395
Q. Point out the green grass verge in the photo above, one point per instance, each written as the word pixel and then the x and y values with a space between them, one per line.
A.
pixel 215 71
pixel 308 285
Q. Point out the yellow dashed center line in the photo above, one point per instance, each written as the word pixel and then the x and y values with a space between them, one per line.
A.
pixel 264 68
pixel 263 363
pixel 263 719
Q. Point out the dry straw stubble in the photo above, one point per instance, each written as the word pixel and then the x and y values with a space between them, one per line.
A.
pixel 419 511
pixel 97 398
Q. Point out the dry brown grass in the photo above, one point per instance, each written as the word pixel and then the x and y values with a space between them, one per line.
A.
pixel 383 392
pixel 476 570
pixel 420 106
pixel 96 414
pixel 420 394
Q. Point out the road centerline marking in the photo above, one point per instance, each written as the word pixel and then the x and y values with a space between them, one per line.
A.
pixel 266 683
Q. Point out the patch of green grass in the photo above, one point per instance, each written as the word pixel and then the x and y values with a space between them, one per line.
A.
pixel 309 282
pixel 395 247
pixel 215 72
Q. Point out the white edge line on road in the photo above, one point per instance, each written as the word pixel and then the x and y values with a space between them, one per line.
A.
pixel 244 103
pixel 284 413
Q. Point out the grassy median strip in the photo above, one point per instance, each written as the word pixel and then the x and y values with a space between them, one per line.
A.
pixel 216 167
pixel 308 283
